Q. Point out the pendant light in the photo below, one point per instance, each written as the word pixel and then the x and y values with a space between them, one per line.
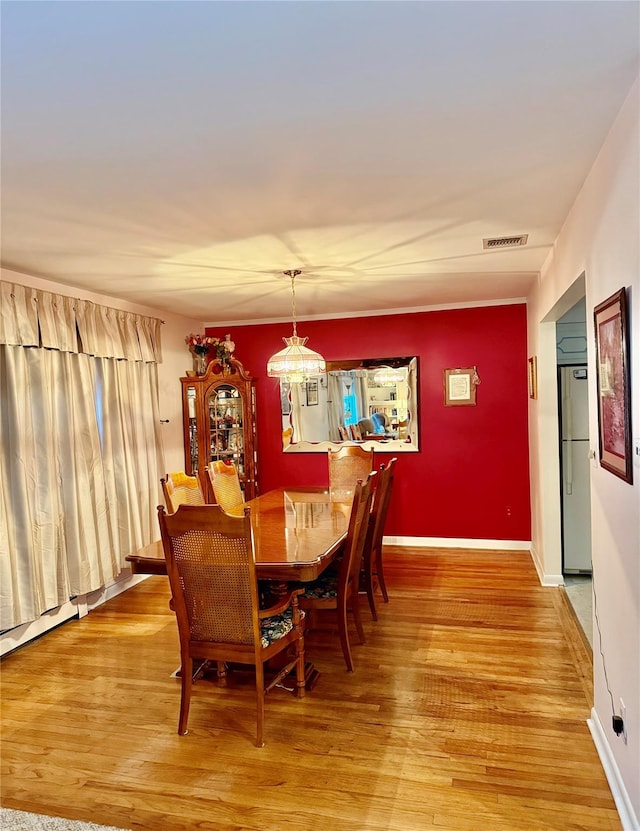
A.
pixel 388 377
pixel 296 363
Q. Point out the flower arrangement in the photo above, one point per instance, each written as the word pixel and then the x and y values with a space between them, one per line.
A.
pixel 200 343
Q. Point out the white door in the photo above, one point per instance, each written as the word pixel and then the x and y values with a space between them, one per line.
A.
pixel 576 500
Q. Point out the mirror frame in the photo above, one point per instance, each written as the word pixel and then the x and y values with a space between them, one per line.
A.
pixel 408 445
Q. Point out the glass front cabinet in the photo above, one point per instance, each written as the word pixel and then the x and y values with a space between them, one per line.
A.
pixel 219 416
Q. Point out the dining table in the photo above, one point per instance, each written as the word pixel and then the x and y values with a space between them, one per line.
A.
pixel 297 533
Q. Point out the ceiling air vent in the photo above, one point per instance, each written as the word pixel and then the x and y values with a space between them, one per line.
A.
pixel 505 242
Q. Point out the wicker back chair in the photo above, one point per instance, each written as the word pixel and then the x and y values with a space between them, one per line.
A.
pixel 347 464
pixel 180 489
pixel 211 568
pixel 226 485
pixel 372 574
pixel 356 435
pixel 337 589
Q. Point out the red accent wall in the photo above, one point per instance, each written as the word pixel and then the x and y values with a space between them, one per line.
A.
pixel 470 478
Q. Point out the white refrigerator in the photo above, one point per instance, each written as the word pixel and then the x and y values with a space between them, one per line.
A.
pixel 576 500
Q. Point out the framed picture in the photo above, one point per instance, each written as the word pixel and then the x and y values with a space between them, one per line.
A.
pixel 285 398
pixel 533 377
pixel 614 388
pixel 460 387
pixel 312 392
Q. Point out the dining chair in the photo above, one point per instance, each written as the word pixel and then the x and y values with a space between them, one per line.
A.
pixel 211 568
pixel 336 589
pixel 356 435
pixel 366 427
pixel 372 574
pixel 347 464
pixel 180 489
pixel 226 484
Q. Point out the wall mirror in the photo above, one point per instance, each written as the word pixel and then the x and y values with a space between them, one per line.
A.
pixel 371 402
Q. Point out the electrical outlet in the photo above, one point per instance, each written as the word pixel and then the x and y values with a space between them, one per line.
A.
pixel 623 716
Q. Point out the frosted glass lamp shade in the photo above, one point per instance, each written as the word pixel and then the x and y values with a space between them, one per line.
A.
pixel 388 377
pixel 296 362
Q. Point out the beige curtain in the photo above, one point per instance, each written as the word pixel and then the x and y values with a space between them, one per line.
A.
pixel 335 403
pixel 80 456
pixel 30 317
pixel 297 421
pixel 132 459
pixel 361 389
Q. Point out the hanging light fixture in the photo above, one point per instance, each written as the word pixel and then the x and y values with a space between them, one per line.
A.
pixel 296 363
pixel 388 377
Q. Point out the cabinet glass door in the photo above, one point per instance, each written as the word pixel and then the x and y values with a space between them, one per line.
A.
pixel 226 429
pixel 192 429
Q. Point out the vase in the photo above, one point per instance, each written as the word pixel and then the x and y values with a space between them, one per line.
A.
pixel 200 363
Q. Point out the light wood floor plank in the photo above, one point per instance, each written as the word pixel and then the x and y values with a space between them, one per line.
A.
pixel 467 711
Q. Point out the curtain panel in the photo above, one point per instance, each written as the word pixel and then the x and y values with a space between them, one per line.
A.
pixel 30 317
pixel 80 457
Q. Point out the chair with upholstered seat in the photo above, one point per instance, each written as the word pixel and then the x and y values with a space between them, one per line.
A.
pixel 347 464
pixel 180 489
pixel 336 590
pixel 211 567
pixel 372 574
pixel 226 485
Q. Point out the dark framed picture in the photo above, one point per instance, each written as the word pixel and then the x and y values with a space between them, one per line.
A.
pixel 614 387
pixel 312 392
pixel 533 377
pixel 460 387
pixel 285 397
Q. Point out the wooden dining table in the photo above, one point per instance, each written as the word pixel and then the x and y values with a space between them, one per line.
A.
pixel 297 533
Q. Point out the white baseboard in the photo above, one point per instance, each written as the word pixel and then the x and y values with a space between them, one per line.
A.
pixel 76 608
pixel 19 635
pixel 619 792
pixel 124 581
pixel 545 579
pixel 450 542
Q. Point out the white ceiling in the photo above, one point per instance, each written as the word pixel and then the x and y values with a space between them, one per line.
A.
pixel 183 154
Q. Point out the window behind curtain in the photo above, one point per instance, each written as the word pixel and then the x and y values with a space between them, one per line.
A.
pixel 80 457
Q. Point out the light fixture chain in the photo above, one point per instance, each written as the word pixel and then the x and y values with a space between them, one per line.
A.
pixel 293 273
pixel 293 303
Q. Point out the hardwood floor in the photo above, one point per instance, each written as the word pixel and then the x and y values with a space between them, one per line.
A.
pixel 466 711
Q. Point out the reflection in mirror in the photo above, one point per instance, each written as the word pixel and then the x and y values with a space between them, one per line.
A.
pixel 369 401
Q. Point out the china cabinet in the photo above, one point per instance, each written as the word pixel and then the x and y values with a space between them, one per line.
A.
pixel 219 421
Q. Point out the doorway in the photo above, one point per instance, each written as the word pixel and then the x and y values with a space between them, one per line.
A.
pixel 573 428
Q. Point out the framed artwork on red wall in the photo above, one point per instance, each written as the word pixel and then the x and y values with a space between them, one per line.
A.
pixel 460 387
pixel 614 388
pixel 533 377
